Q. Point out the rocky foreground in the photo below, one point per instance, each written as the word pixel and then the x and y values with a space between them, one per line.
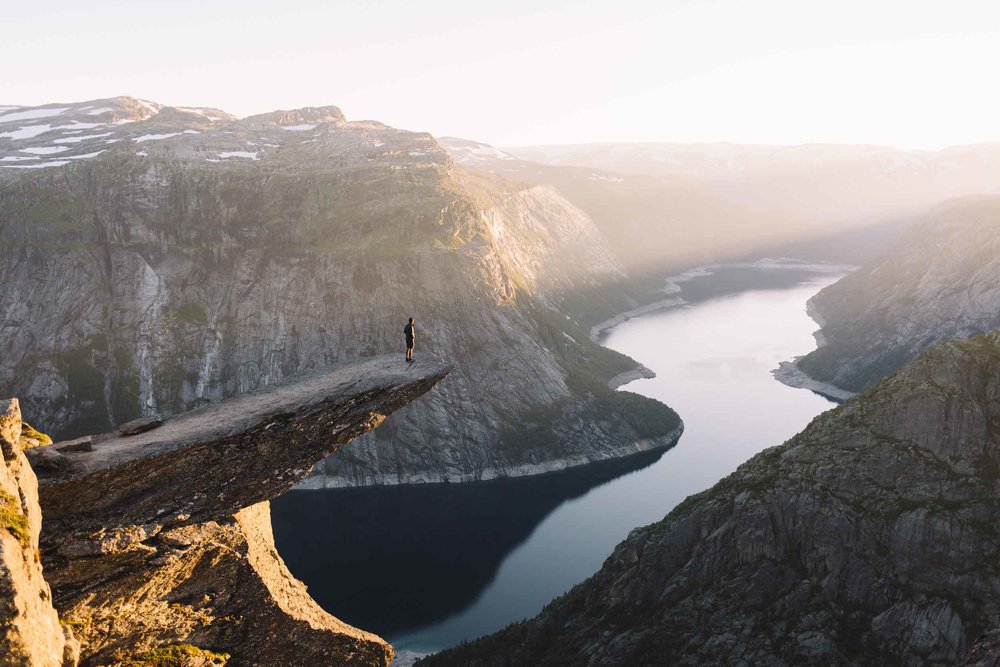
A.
pixel 941 281
pixel 869 538
pixel 159 542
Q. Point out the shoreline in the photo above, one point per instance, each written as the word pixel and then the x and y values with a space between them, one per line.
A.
pixel 664 442
pixel 620 318
pixel 672 286
pixel 640 372
pixel 790 374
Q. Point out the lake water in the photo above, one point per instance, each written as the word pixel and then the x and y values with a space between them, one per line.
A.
pixel 427 566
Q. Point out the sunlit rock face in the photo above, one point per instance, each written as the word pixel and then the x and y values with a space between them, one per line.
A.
pixel 30 633
pixel 941 281
pixel 173 257
pixel 869 538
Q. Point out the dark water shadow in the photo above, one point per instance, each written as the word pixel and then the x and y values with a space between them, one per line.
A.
pixel 362 550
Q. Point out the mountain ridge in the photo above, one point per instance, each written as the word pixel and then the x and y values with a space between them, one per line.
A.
pixel 193 258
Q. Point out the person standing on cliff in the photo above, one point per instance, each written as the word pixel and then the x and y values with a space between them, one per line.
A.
pixel 411 333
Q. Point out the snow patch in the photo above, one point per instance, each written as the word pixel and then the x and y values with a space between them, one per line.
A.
pixel 31 114
pixel 52 163
pixel 142 153
pixel 16 158
pixel 98 112
pixel 76 140
pixel 244 154
pixel 77 125
pixel 298 128
pixel 154 137
pixel 44 150
pixel 26 132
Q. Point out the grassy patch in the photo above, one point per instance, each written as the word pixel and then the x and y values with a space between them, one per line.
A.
pixel 13 519
pixel 178 655
pixel 28 431
pixel 192 313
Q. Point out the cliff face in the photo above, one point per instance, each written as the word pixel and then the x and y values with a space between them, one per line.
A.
pixel 869 538
pixel 30 633
pixel 170 258
pixel 162 540
pixel 941 281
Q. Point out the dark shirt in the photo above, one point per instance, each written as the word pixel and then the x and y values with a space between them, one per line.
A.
pixel 410 331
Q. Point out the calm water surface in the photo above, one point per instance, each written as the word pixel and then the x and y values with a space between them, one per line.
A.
pixel 429 566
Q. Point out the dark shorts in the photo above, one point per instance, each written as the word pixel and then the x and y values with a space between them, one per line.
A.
pixel 409 343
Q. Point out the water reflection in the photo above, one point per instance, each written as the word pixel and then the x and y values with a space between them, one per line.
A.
pixel 392 559
pixel 429 566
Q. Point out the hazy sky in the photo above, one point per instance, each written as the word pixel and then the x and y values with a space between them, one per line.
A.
pixel 909 73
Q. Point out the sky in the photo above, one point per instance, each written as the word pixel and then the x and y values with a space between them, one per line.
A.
pixel 913 74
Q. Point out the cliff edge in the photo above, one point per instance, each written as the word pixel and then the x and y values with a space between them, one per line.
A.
pixel 160 541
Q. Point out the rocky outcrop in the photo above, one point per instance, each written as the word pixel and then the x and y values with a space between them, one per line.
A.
pixel 162 540
pixel 171 258
pixel 30 633
pixel 941 281
pixel 869 538
pixel 985 652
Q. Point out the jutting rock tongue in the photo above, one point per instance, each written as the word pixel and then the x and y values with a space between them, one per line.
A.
pixel 163 539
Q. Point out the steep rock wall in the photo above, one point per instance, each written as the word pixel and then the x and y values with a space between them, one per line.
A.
pixel 941 281
pixel 158 277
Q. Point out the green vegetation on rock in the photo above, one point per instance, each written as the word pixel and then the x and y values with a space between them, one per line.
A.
pixel 28 431
pixel 178 655
pixel 13 519
pixel 192 313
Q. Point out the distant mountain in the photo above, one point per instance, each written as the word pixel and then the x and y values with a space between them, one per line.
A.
pixel 810 181
pixel 664 219
pixel 941 281
pixel 155 259
pixel 868 539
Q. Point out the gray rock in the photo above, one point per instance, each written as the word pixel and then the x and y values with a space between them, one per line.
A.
pixel 941 281
pixel 869 538
pixel 84 444
pixel 140 425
